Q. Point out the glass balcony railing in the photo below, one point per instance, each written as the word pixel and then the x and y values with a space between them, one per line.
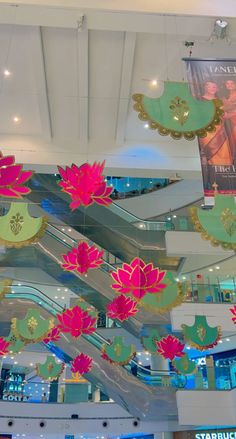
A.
pixel 208 293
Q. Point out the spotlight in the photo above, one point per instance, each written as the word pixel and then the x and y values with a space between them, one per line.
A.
pixel 220 27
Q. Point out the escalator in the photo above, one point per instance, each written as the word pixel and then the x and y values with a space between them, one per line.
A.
pixel 113 228
pixel 94 288
pixel 145 396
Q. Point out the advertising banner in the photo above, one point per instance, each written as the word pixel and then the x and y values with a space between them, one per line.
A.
pixel 216 79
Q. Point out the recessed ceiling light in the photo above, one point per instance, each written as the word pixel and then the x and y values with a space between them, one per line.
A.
pixel 63 297
pixel 217 267
pixel 31 364
pixel 128 184
pixel 58 289
pixel 66 289
pixel 210 269
pixel 69 230
pixel 55 297
pixel 146 125
pixel 7 73
pixel 188 347
pixel 15 362
pixel 227 339
pixel 220 341
pixel 154 82
pixel 16 119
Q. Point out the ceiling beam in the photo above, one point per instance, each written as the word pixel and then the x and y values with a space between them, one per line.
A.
pixel 38 63
pixel 125 85
pixel 83 102
pixel 182 7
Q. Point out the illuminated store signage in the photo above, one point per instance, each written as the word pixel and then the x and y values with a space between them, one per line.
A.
pixel 15 398
pixel 216 435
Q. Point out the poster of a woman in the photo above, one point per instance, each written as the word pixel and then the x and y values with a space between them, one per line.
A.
pixel 208 80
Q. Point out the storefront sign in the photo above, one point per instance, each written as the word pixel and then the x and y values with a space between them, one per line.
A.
pixel 16 398
pixel 217 435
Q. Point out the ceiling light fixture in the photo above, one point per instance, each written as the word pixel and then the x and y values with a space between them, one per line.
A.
pixel 7 73
pixel 16 119
pixel 220 29
pixel 146 125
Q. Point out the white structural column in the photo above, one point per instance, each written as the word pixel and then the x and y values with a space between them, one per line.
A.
pixel 38 63
pixel 83 89
pixel 125 85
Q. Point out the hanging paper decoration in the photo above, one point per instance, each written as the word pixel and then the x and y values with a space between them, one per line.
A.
pixel 85 184
pixel 170 347
pixel 138 279
pixel 33 328
pixel 5 285
pixel 81 364
pixel 233 310
pixel 117 352
pixel 4 344
pixel 122 308
pixel 13 178
pixel 18 228
pixel 217 225
pixel 200 335
pixel 149 342
pixel 53 335
pixel 16 344
pixel 82 258
pixel 167 299
pixel 184 365
pixel 76 322
pixel 50 370
pixel 177 113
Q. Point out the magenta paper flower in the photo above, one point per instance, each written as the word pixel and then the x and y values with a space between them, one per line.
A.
pixel 170 347
pixel 121 308
pixel 76 321
pixel 138 279
pixel 3 346
pixel 12 178
pixel 81 364
pixel 85 184
pixel 233 310
pixel 82 258
pixel 53 335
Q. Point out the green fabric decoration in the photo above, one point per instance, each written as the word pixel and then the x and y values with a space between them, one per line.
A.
pixel 184 365
pixel 33 328
pixel 200 335
pixel 16 345
pixel 217 225
pixel 19 229
pixel 178 113
pixel 50 370
pixel 163 302
pixel 149 342
pixel 117 352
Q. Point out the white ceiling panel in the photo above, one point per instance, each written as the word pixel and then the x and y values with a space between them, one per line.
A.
pixel 103 114
pixel 23 106
pixel 64 117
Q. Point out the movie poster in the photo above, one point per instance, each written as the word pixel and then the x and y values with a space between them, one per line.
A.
pixel 211 79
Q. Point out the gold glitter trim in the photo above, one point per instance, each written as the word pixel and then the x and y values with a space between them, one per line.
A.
pixel 33 240
pixel 188 135
pixel 6 288
pixel 205 236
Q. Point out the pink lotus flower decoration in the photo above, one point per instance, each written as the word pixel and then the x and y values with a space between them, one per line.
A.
pixel 12 178
pixel 82 258
pixel 85 184
pixel 82 364
pixel 76 321
pixel 138 279
pixel 122 308
pixel 53 335
pixel 170 347
pixel 233 310
pixel 3 346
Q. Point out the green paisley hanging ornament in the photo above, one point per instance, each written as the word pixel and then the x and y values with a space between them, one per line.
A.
pixel 5 287
pixel 217 225
pixel 170 297
pixel 19 229
pixel 149 341
pixel 177 113
pixel 184 365
pixel 50 370
pixel 200 335
pixel 33 328
pixel 117 352
pixel 16 344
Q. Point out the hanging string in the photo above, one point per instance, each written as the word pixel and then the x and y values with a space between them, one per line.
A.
pixel 165 45
pixel 182 71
